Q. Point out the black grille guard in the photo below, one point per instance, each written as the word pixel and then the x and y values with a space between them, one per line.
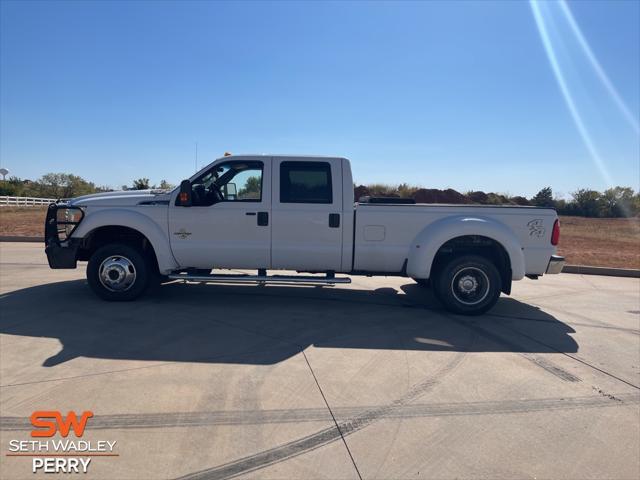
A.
pixel 52 227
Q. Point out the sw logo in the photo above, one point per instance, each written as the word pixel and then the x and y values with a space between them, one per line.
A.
pixel 49 422
pixel 60 455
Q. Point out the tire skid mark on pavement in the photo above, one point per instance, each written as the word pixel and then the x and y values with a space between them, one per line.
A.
pixel 551 367
pixel 261 417
pixel 323 437
pixel 544 363
pixel 599 323
pixel 573 357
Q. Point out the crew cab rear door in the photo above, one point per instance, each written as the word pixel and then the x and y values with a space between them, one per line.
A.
pixel 307 214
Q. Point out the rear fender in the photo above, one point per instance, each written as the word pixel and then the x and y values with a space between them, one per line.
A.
pixel 426 244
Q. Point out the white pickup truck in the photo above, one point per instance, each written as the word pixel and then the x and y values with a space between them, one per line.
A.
pixel 297 213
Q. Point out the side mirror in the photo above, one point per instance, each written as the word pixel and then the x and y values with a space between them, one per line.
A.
pixel 184 197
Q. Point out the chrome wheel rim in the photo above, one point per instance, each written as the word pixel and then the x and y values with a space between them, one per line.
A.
pixel 117 273
pixel 470 285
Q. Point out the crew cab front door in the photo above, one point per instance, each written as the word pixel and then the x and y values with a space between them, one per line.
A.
pixel 229 222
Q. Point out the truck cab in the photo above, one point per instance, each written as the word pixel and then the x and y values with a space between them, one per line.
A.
pixel 265 213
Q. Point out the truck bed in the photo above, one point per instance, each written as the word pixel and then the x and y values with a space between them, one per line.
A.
pixel 382 241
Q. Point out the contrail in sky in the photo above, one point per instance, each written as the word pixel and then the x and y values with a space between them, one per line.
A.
pixel 598 68
pixel 566 93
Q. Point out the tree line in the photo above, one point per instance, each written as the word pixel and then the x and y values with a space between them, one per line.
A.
pixel 584 202
pixel 613 202
pixel 67 185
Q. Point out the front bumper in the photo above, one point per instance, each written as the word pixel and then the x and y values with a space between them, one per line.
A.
pixel 60 254
pixel 555 264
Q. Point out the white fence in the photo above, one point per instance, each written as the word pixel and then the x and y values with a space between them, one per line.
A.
pixel 24 201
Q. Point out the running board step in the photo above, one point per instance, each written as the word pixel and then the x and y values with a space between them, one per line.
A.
pixel 226 278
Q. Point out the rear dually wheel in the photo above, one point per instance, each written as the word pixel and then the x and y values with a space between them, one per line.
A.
pixel 468 285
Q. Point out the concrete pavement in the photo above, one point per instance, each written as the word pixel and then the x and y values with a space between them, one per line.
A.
pixel 369 380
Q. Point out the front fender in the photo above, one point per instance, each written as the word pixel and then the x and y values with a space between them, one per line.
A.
pixel 426 244
pixel 121 217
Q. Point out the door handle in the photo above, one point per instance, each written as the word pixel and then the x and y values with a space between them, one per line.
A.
pixel 334 220
pixel 263 219
pixel 251 213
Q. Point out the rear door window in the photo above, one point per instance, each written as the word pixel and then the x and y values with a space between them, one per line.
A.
pixel 305 182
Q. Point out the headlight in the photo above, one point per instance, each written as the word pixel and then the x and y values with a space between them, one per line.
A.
pixel 68 219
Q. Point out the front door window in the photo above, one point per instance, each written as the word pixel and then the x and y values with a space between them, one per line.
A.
pixel 235 181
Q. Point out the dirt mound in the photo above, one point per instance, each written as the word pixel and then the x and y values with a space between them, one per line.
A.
pixel 518 200
pixel 478 197
pixel 433 195
pixel 360 191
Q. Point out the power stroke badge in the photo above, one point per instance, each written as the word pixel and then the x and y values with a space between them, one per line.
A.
pixel 182 233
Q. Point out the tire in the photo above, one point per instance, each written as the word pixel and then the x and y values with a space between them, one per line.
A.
pixel 468 285
pixel 118 272
pixel 423 282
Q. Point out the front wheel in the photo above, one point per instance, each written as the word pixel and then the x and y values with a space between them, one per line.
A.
pixel 468 285
pixel 118 272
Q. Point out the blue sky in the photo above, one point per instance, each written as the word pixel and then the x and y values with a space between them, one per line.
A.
pixel 440 94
